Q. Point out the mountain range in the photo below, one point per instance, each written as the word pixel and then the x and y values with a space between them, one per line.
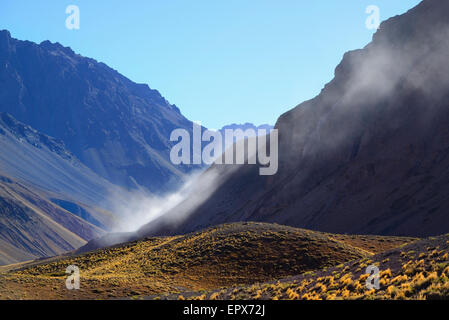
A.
pixel 249 130
pixel 246 126
pixel 368 155
pixel 363 177
pixel 50 202
pixel 117 128
pixel 79 141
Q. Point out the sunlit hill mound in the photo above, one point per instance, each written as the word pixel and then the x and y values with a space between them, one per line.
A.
pixel 222 256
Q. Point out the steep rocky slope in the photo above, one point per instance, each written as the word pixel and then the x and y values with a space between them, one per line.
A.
pixel 118 128
pixel 45 162
pixel 369 154
pixel 33 227
pixel 49 201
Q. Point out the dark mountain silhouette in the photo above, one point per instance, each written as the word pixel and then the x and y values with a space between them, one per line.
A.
pixel 369 154
pixel 118 128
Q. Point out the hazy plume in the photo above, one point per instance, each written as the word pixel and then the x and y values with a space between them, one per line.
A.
pixel 142 208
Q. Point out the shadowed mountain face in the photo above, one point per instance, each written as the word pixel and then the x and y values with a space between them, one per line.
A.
pixel 40 160
pixel 116 127
pixel 49 201
pixel 32 227
pixel 370 154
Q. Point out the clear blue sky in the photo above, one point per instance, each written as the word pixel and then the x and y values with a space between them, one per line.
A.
pixel 220 62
